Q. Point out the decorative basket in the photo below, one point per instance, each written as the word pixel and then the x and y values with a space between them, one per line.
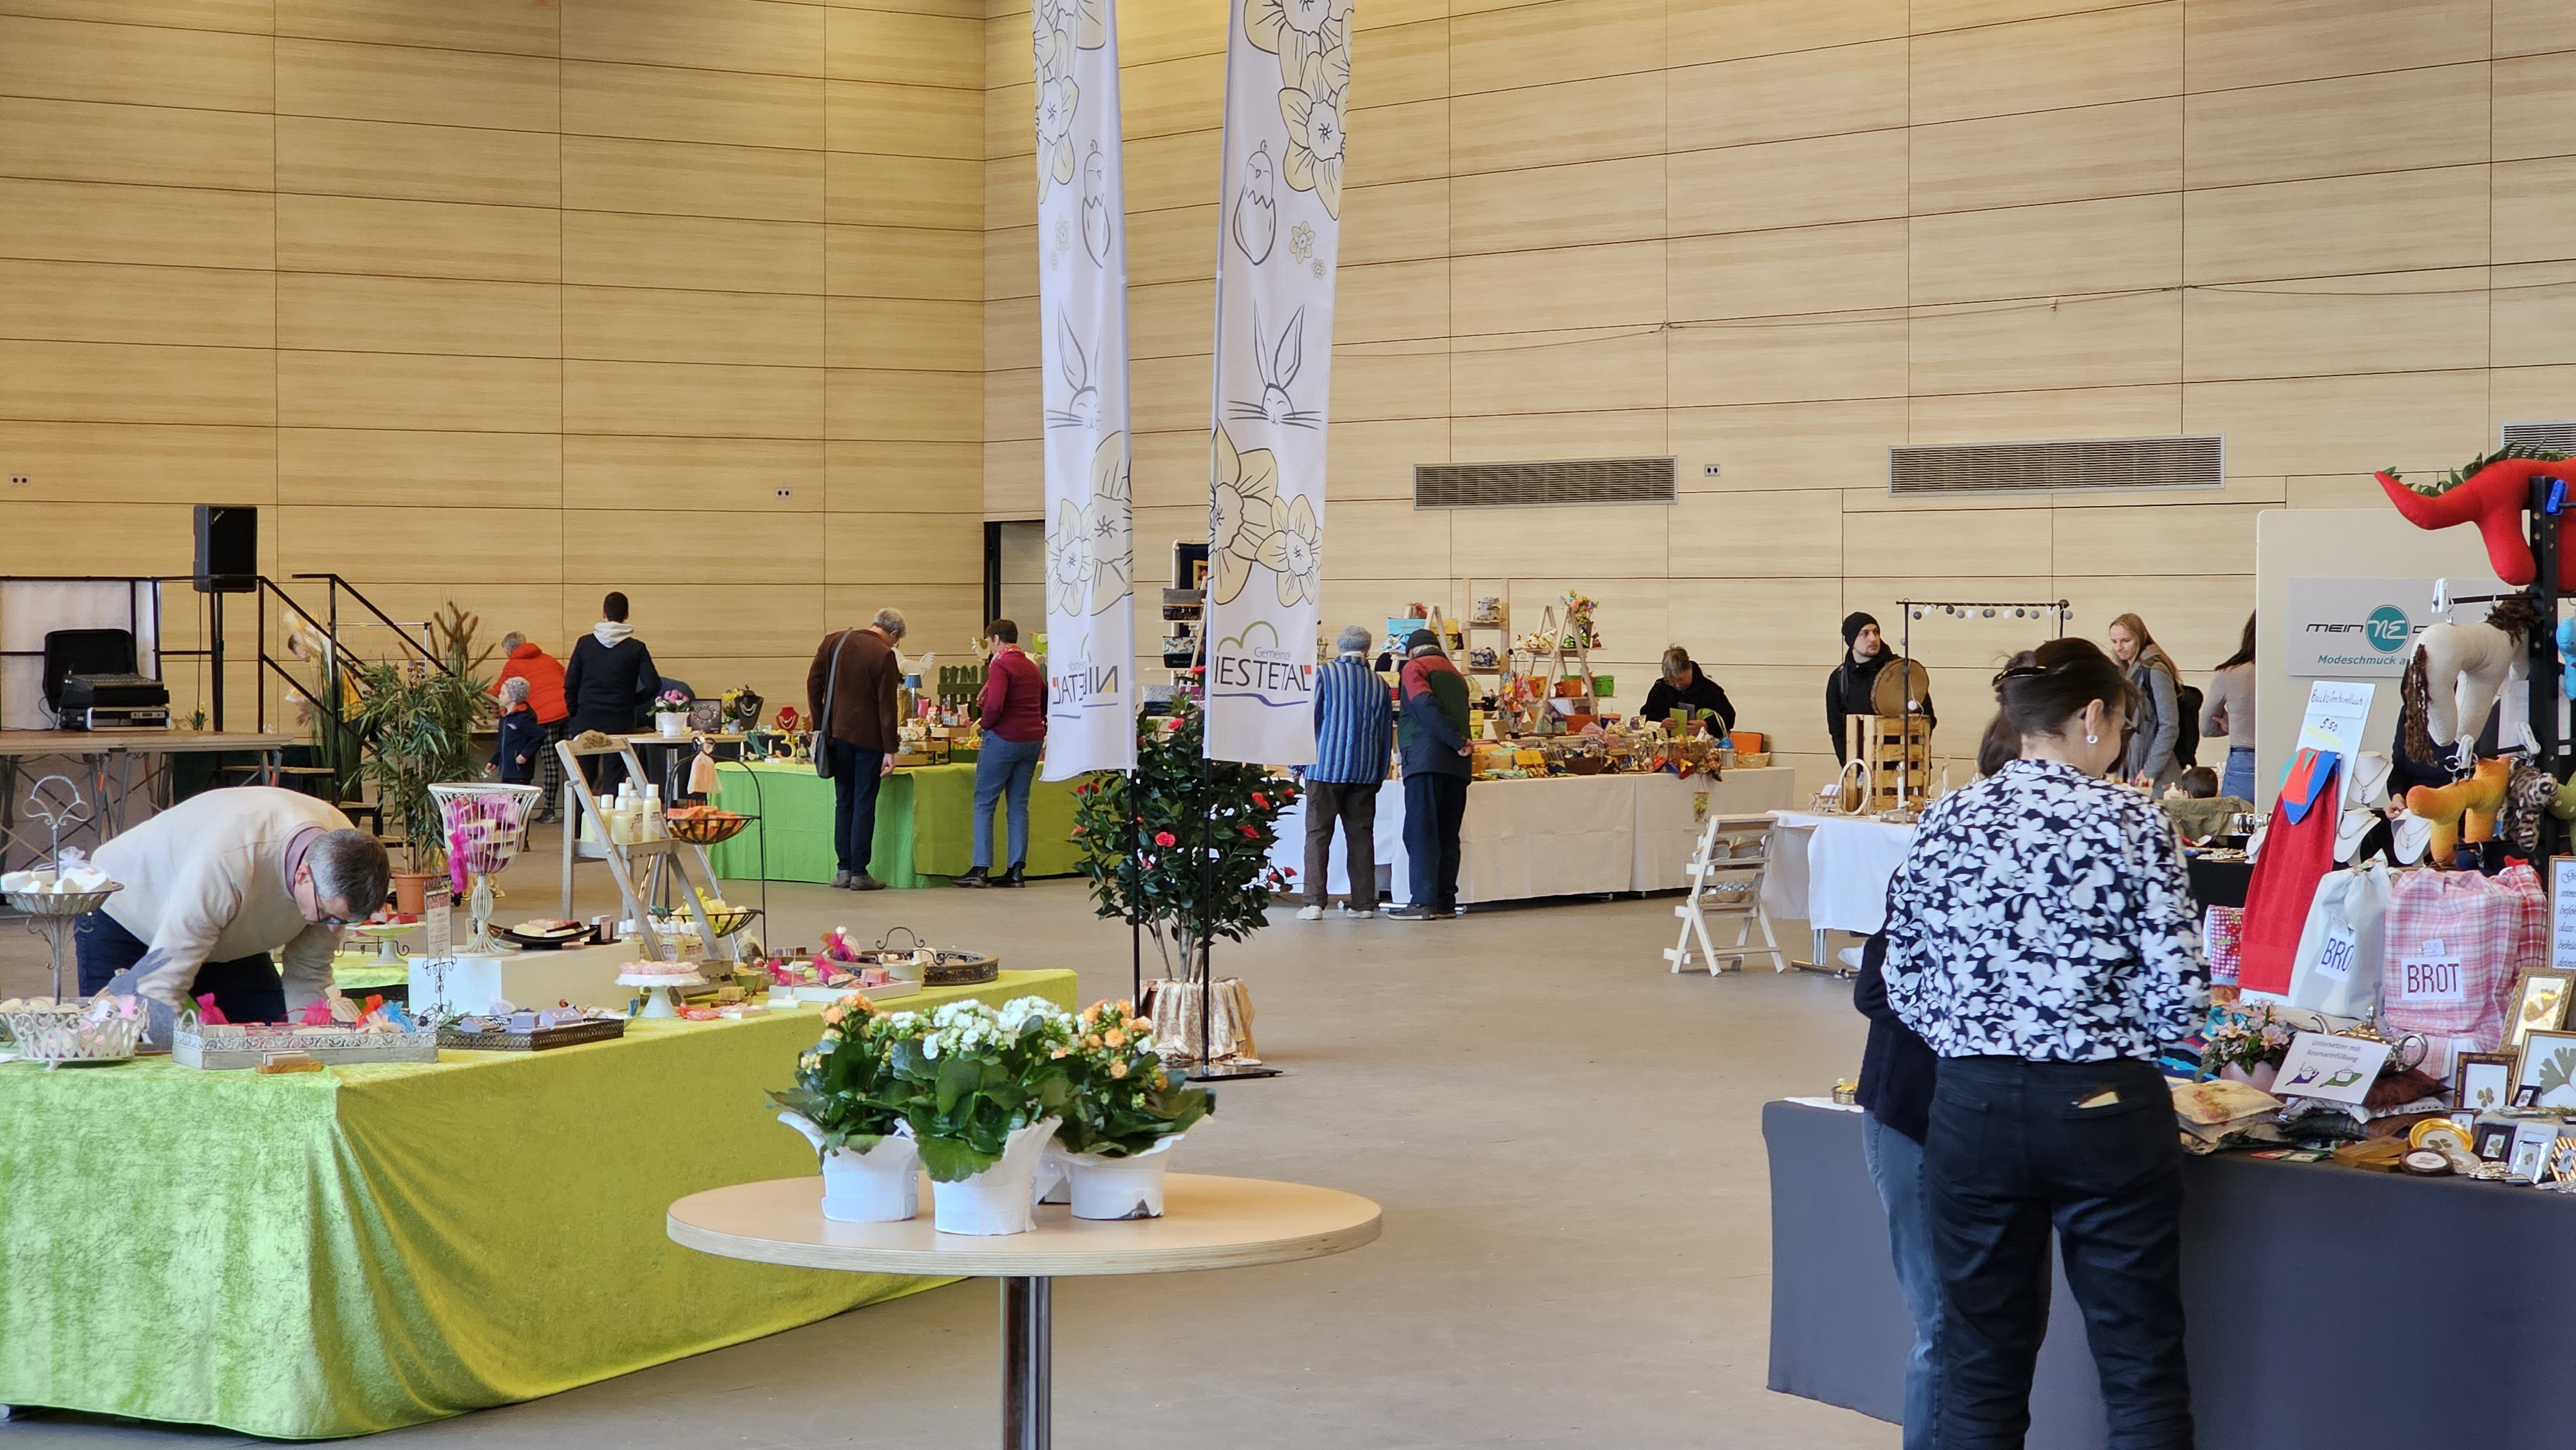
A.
pixel 62 903
pixel 961 969
pixel 709 829
pixel 597 1029
pixel 238 1045
pixel 63 1034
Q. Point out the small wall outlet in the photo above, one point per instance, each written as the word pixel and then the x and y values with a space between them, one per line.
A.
pixel 20 480
pixel 1711 470
pixel 787 493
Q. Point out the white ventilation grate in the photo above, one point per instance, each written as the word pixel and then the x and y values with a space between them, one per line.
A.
pixel 2083 465
pixel 1543 485
pixel 2558 437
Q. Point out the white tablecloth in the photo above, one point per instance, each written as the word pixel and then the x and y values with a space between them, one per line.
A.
pixel 1838 881
pixel 1566 835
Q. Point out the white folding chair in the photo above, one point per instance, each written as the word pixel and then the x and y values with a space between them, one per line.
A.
pixel 1725 883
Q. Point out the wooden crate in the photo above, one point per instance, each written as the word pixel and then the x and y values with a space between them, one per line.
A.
pixel 1897 749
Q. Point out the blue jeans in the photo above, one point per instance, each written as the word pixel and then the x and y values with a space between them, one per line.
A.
pixel 1896 1167
pixel 2238 779
pixel 855 777
pixel 1004 766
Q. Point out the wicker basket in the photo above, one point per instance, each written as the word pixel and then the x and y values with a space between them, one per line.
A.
pixel 708 830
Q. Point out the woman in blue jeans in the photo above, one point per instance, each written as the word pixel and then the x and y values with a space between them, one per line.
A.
pixel 1014 718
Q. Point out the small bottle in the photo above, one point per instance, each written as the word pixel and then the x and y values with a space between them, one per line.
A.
pixel 653 823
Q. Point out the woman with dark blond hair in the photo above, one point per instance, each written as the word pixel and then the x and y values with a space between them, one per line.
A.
pixel 2155 727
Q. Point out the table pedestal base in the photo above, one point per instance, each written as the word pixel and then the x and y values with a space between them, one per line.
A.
pixel 1028 1362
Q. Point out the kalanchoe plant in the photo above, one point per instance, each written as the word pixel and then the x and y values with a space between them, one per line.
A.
pixel 976 1075
pixel 845 1085
pixel 1123 1101
pixel 670 702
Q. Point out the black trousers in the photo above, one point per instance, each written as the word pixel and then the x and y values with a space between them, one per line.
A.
pixel 2011 1153
pixel 246 988
pixel 1433 807
pixel 854 802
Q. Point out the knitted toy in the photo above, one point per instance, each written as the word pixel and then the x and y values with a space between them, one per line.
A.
pixel 2492 492
pixel 2455 675
pixel 2462 810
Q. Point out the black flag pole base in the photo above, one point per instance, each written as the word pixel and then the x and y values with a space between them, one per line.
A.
pixel 1227 1072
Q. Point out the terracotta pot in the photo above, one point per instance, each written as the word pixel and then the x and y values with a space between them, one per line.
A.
pixel 411 891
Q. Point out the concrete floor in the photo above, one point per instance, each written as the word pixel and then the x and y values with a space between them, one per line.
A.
pixel 1564 1138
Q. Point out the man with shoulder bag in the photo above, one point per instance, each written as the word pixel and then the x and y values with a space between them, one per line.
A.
pixel 851 690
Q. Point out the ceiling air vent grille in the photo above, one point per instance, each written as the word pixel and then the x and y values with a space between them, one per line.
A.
pixel 1543 485
pixel 2558 437
pixel 2087 465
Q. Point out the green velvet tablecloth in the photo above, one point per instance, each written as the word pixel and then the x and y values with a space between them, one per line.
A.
pixel 334 1253
pixel 925 824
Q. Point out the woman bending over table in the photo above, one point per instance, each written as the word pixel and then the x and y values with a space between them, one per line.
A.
pixel 2041 938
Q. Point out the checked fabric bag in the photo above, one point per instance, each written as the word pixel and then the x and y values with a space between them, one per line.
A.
pixel 2456 942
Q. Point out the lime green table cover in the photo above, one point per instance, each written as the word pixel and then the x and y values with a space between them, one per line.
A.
pixel 334 1253
pixel 925 824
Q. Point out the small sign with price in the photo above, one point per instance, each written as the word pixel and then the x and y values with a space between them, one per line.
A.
pixel 436 906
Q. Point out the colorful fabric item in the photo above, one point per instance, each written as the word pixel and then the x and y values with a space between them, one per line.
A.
pixel 2456 943
pixel 2044 914
pixel 2296 855
pixel 2222 936
pixel 2310 774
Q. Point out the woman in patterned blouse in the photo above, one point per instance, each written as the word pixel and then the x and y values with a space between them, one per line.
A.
pixel 2041 937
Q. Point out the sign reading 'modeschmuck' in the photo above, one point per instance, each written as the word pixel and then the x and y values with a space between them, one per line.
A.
pixel 2349 627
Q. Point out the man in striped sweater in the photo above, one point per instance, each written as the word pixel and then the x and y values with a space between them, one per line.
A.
pixel 1354 734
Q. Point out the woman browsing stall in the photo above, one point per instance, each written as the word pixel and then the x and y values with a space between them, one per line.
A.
pixel 2042 939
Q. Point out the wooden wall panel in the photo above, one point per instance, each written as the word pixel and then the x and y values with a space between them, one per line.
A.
pixel 148 145
pixel 510 26
pixel 602 173
pixel 151 225
pixel 140 65
pixel 418 163
pixel 334 312
pixel 92 302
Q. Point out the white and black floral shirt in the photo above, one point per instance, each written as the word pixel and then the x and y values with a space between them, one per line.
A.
pixel 2044 914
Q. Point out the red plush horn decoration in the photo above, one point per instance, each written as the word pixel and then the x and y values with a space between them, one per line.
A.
pixel 2495 498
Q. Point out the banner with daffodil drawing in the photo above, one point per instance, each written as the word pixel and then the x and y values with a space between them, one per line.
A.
pixel 1287 90
pixel 1082 326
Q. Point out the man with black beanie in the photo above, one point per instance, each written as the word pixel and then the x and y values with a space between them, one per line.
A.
pixel 1848 688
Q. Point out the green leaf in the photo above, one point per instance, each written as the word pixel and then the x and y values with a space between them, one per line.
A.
pixel 957 1077
pixel 948 1160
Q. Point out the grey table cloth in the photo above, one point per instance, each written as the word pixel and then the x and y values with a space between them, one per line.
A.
pixel 2318 1297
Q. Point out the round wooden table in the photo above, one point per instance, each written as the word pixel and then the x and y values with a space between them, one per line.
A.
pixel 1207 1223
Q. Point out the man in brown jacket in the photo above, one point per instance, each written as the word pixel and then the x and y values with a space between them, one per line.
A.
pixel 858 670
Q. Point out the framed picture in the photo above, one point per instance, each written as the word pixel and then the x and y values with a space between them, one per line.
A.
pixel 2547 1070
pixel 2540 1001
pixel 706 716
pixel 2562 1160
pixel 2494 1141
pixel 2482 1081
pixel 2533 1145
pixel 2526 1097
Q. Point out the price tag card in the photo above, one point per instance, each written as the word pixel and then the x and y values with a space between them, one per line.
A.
pixel 2562 913
pixel 2334 959
pixel 437 905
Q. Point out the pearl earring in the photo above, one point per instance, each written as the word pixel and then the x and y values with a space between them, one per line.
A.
pixel 2092 739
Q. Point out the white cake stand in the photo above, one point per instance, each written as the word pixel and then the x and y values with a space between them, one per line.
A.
pixel 661 996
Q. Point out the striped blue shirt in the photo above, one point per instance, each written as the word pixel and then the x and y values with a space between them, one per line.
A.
pixel 1354 724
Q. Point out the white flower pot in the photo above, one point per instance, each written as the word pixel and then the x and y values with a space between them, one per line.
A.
pixel 1124 1187
pixel 999 1199
pixel 672 726
pixel 881 1185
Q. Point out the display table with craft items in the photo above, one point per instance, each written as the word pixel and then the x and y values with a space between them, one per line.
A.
pixel 2279 1297
pixel 342 1251
pixel 925 825
pixel 1569 835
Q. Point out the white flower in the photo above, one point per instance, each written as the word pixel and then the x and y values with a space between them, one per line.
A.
pixel 1069 564
pixel 1109 534
pixel 1058 98
pixel 1242 512
pixel 1296 29
pixel 1313 108
pixel 1296 552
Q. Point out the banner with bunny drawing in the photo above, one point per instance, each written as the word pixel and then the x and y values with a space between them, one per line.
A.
pixel 1082 326
pixel 1287 93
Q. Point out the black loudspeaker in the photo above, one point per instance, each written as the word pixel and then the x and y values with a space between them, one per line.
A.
pixel 227 549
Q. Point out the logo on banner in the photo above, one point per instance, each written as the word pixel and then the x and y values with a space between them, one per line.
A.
pixel 1254 663
pixel 1082 686
pixel 2386 629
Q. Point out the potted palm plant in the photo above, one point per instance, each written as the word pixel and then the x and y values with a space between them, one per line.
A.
pixel 415 724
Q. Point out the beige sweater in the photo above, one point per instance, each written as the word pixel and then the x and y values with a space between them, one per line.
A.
pixel 205 881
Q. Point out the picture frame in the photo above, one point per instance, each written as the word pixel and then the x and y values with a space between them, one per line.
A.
pixel 2540 1000
pixel 2526 1097
pixel 2530 1158
pixel 706 717
pixel 2562 1161
pixel 2483 1081
pixel 2494 1142
pixel 2547 1070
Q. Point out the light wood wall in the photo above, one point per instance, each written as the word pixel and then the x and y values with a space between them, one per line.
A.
pixel 1779 236
pixel 506 301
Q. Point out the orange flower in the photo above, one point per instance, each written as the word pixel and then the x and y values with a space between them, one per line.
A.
pixel 1114 1037
pixel 1118 1069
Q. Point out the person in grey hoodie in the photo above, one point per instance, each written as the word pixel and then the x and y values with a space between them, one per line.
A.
pixel 2156 728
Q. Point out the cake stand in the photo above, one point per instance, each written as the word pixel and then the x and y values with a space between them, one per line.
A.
pixel 487 823
pixel 384 934
pixel 55 915
pixel 662 992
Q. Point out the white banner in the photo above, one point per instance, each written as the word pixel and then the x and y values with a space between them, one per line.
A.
pixel 2342 628
pixel 1082 348
pixel 1287 92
